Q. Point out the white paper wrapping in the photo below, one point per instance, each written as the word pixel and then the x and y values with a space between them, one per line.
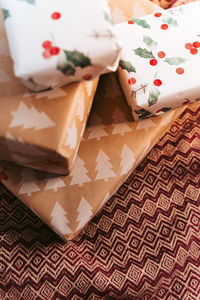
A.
pixel 160 65
pixel 55 42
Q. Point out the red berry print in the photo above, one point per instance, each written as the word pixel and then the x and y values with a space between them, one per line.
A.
pixel 131 80
pixel 188 46
pixel 55 15
pixel 130 22
pixel 157 82
pixel 46 54
pixel 87 77
pixel 179 70
pixel 193 51
pixel 54 51
pixel 153 62
pixel 196 44
pixel 164 26
pixel 161 54
pixel 159 110
pixel 158 14
pixel 46 45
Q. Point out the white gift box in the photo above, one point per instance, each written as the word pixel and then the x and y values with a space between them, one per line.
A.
pixel 56 42
pixel 160 65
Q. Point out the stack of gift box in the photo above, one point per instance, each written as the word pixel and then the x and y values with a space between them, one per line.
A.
pixel 58 157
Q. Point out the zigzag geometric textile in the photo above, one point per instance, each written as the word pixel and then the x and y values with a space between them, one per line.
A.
pixel 143 245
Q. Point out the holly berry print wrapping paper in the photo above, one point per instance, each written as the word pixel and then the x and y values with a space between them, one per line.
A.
pixel 160 63
pixel 54 42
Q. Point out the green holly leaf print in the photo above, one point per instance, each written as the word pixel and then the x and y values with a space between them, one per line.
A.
pixel 175 60
pixel 142 23
pixel 108 18
pixel 66 68
pixel 143 114
pixel 29 1
pixel 126 65
pixel 142 52
pixel 165 109
pixel 6 14
pixel 170 21
pixel 153 96
pixel 149 42
pixel 77 58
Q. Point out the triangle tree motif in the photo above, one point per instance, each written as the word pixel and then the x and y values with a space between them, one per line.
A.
pixel 71 140
pixel 84 213
pixel 59 220
pixel 30 118
pixel 96 130
pixel 127 160
pixel 103 167
pixel 27 182
pixel 119 123
pixel 79 172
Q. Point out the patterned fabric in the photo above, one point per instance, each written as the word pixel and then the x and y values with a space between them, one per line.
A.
pixel 144 244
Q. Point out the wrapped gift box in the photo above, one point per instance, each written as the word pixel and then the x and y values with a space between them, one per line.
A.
pixel 41 130
pixel 112 146
pixel 54 42
pixel 159 68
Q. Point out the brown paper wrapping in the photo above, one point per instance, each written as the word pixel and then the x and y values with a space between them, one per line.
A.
pixel 41 130
pixel 112 146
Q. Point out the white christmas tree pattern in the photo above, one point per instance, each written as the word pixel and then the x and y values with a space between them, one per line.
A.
pixel 71 140
pixel 30 118
pixel 103 167
pixel 112 89
pixel 117 15
pixel 4 77
pixel 107 196
pixel 80 110
pixel 89 87
pixel 127 160
pixel 59 220
pixel 84 213
pixel 79 172
pixel 145 124
pixel 96 130
pixel 54 182
pixel 144 152
pixel 28 185
pixel 120 127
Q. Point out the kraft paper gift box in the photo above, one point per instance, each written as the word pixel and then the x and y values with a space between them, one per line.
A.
pixel 160 62
pixel 112 146
pixel 41 130
pixel 54 43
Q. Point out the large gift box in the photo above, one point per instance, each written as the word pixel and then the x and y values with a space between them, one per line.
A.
pixel 112 146
pixel 159 68
pixel 41 130
pixel 54 42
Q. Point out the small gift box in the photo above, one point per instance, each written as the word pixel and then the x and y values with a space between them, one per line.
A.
pixel 54 42
pixel 41 130
pixel 159 68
